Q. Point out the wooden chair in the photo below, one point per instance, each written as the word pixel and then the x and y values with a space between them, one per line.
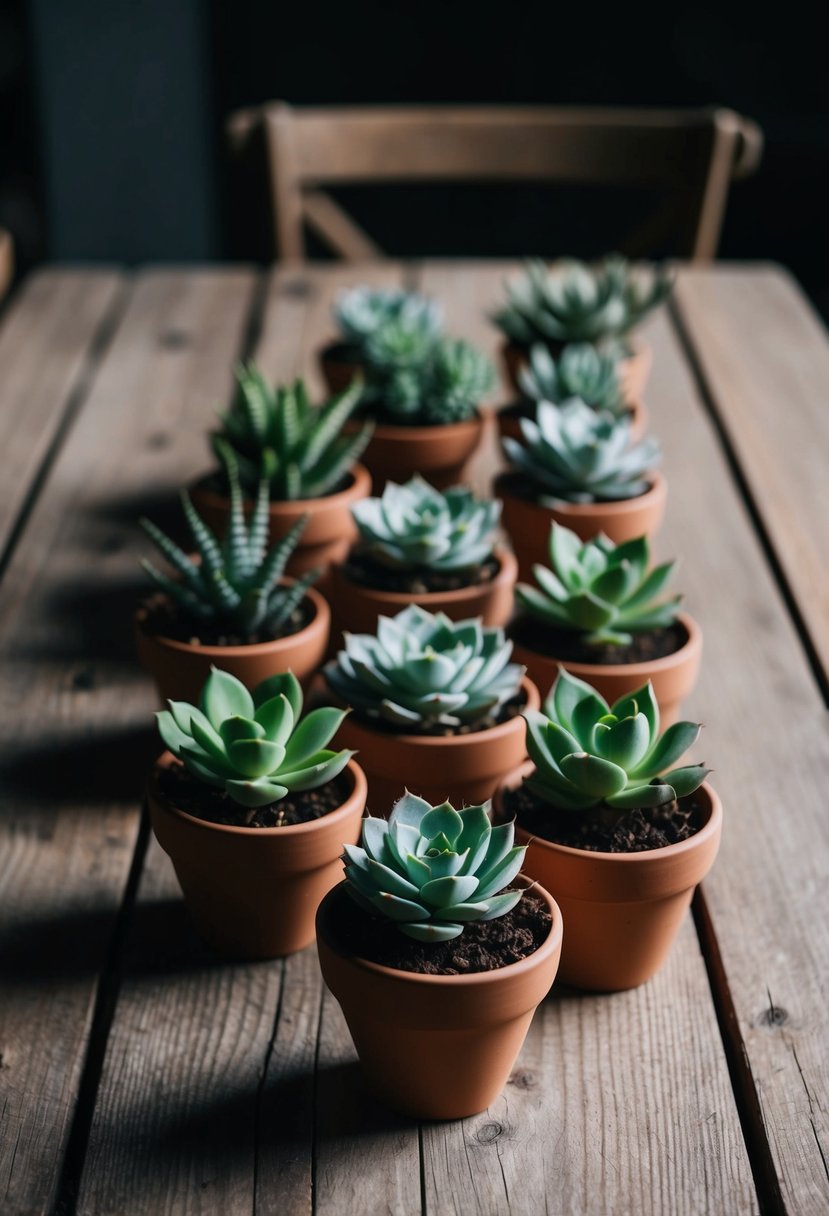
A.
pixel 689 156
pixel 6 261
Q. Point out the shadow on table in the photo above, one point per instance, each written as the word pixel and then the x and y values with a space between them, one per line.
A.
pixel 77 770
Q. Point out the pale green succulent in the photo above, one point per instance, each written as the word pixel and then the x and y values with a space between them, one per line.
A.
pixel 416 527
pixel 255 746
pixel 432 869
pixel 363 312
pixel 446 387
pixel 234 583
pixel 572 301
pixel 603 591
pixel 586 753
pixel 277 436
pixel 575 454
pixel 422 670
pixel 580 371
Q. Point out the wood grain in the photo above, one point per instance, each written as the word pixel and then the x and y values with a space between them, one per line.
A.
pixel 47 340
pixel 77 712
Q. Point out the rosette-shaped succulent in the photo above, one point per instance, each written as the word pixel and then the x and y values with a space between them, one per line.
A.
pixel 235 583
pixel 572 301
pixel 604 591
pixel 430 869
pixel 363 311
pixel 422 670
pixel 416 527
pixel 276 435
pixel 572 453
pixel 254 746
pixel 459 377
pixel 580 371
pixel 586 753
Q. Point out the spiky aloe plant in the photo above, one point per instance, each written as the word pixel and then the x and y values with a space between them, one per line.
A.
pixel 586 753
pixel 572 301
pixel 422 670
pixel 362 312
pixel 276 435
pixel 603 591
pixel 416 527
pixel 256 747
pixel 432 869
pixel 572 453
pixel 580 371
pixel 233 584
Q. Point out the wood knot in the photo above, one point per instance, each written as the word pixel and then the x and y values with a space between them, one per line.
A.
pixel 774 1016
pixel 174 339
pixel 159 440
pixel 523 1080
pixel 297 289
pixel 83 680
pixel 488 1133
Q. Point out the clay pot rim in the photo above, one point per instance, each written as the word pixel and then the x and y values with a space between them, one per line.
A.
pixel 506 575
pixel 637 344
pixel 709 829
pixel 359 487
pixel 388 433
pixel 533 701
pixel 320 621
pixel 632 405
pixel 551 943
pixel 689 650
pixel 657 490
pixel 358 792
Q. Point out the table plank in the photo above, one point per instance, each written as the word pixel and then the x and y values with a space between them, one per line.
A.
pixel 764 355
pixel 618 1113
pixel 48 339
pixel 76 709
pixel 766 736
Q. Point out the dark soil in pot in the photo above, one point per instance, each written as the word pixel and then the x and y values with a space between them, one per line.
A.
pixel 483 945
pixel 570 647
pixel 182 790
pixel 365 572
pixel 165 621
pixel 605 829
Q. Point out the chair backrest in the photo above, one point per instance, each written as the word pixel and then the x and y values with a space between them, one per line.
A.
pixel 6 261
pixel 688 156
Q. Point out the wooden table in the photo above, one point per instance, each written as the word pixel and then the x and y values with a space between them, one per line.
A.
pixel 140 1075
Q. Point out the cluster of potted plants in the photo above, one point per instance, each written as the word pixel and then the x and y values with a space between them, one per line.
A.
pixel 521 769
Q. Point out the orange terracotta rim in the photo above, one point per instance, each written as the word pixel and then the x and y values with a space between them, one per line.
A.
pixel 686 653
pixel 549 946
pixel 656 492
pixel 320 621
pixel 359 486
pixel 427 434
pixel 639 348
pixel 359 790
pixel 505 577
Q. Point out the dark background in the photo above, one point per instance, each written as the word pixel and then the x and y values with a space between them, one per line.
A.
pixel 112 118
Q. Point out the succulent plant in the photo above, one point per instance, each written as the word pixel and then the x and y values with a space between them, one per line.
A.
pixel 575 302
pixel 254 746
pixel 580 371
pixel 446 387
pixel 276 435
pixel 604 591
pixel 586 753
pixel 422 670
pixel 572 453
pixel 363 312
pixel 416 527
pixel 232 583
pixel 431 869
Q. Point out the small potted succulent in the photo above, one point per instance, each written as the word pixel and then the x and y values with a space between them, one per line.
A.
pixel 435 697
pixel 439 955
pixel 311 468
pixel 619 833
pixel 253 806
pixel 579 468
pixel 580 371
pixel 421 545
pixel 572 301
pixel 229 605
pixel 596 611
pixel 422 389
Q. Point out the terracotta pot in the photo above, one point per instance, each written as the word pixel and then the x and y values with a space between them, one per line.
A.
pixel 528 523
pixel 437 1046
pixel 633 371
pixel 181 668
pixel 338 366
pixel 673 677
pixel 356 607
pixel 508 421
pixel 438 453
pixel 254 892
pixel 622 910
pixel 465 769
pixel 328 535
